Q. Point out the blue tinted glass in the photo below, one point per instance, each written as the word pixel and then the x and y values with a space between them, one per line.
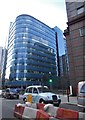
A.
pixel 83 89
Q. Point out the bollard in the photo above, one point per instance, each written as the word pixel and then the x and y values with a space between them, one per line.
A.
pixel 67 94
pixel 29 98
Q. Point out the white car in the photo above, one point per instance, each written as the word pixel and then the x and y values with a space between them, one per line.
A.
pixel 41 94
pixel 81 93
pixel 0 92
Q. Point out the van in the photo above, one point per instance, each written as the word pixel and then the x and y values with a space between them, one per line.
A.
pixel 81 94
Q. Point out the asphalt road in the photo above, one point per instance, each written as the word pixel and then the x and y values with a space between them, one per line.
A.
pixel 7 105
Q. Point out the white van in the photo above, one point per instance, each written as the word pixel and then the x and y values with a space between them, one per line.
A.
pixel 81 93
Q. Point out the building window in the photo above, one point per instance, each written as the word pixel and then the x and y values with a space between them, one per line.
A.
pixel 80 10
pixel 82 31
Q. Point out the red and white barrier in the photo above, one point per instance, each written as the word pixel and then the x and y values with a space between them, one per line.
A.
pixel 18 110
pixel 24 111
pixel 61 113
pixel 30 113
pixel 43 115
pixel 40 106
pixel 67 114
pixel 50 109
pixel 81 115
pixel 47 112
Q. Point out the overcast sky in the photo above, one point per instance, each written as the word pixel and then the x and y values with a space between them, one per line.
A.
pixel 51 12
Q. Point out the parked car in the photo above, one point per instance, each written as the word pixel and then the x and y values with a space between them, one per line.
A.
pixel 0 92
pixel 81 93
pixel 11 93
pixel 41 94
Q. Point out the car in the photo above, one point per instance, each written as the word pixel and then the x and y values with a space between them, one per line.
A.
pixel 81 94
pixel 11 93
pixel 41 94
pixel 3 92
pixel 0 92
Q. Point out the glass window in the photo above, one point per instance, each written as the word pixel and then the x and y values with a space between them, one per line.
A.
pixel 35 90
pixel 82 89
pixel 80 10
pixel 43 89
pixel 30 90
pixel 7 90
pixel 27 90
pixel 82 31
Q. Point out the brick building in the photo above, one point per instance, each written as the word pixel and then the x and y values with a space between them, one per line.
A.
pixel 75 35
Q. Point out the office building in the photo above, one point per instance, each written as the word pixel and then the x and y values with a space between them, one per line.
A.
pixel 75 36
pixel 1 48
pixel 32 54
pixel 63 65
pixel 60 46
pixel 3 53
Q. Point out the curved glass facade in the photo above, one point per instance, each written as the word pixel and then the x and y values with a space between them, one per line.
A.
pixel 31 50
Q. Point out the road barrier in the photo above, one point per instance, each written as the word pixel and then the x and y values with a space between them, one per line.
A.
pixel 30 113
pixel 46 111
pixel 61 113
pixel 51 110
pixel 67 114
pixel 42 115
pixel 22 111
pixel 81 115
pixel 40 106
pixel 18 110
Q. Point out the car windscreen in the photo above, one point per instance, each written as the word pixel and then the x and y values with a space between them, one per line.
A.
pixel 82 89
pixel 13 90
pixel 43 89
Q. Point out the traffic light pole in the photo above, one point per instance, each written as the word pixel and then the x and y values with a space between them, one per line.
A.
pixel 50 81
pixel 68 90
pixel 51 86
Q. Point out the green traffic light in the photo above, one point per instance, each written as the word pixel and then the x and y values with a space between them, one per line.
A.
pixel 50 80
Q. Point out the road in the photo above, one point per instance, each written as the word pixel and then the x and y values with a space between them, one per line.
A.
pixel 7 105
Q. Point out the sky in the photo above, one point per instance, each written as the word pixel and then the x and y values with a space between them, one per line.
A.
pixel 51 12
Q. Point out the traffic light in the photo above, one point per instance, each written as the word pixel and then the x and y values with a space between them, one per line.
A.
pixel 50 80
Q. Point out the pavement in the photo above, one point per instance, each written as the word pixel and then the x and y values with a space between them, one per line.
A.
pixel 72 99
pixel 72 104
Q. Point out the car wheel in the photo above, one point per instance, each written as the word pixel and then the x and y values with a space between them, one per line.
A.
pixel 6 97
pixel 42 101
pixel 17 96
pixel 56 105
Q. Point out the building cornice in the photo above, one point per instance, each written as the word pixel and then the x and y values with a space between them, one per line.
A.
pixel 76 19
